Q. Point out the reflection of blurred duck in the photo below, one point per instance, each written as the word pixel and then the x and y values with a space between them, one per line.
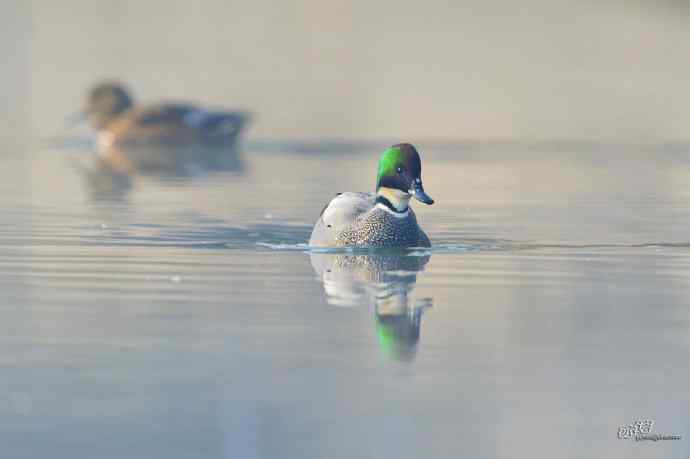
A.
pixel 385 281
pixel 124 128
pixel 103 183
pixel 381 219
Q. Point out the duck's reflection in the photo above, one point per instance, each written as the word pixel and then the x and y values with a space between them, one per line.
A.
pixel 385 282
pixel 104 183
pixel 112 173
pixel 185 159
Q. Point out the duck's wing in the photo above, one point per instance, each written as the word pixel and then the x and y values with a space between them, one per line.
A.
pixel 178 121
pixel 216 124
pixel 157 123
pixel 345 208
pixel 338 214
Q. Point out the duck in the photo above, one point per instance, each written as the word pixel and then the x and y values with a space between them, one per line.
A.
pixel 380 219
pixel 120 122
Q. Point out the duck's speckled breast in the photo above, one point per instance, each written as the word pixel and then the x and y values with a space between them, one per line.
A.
pixel 380 228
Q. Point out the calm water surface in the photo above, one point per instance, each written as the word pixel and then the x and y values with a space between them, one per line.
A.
pixel 158 316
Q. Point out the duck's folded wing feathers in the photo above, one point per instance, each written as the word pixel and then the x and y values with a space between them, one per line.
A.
pixel 178 121
pixel 345 208
pixel 338 214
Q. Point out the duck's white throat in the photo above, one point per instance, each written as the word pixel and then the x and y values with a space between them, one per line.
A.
pixel 398 199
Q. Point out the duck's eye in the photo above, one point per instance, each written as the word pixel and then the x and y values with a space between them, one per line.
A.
pixel 399 170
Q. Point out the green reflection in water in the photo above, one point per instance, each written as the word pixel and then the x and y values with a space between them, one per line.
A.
pixel 384 281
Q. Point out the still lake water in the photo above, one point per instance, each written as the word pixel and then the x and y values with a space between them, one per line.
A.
pixel 160 316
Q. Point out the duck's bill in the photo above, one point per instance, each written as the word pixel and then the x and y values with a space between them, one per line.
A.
pixel 418 192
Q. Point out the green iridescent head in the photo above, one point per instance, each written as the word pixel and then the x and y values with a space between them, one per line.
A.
pixel 400 168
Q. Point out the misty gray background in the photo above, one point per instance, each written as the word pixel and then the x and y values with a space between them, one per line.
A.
pixel 122 337
pixel 406 69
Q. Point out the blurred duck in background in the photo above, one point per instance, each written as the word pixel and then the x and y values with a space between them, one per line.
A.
pixel 161 136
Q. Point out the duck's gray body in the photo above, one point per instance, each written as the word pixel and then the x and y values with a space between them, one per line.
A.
pixel 355 220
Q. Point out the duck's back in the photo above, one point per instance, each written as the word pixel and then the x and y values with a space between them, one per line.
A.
pixel 174 123
pixel 340 213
